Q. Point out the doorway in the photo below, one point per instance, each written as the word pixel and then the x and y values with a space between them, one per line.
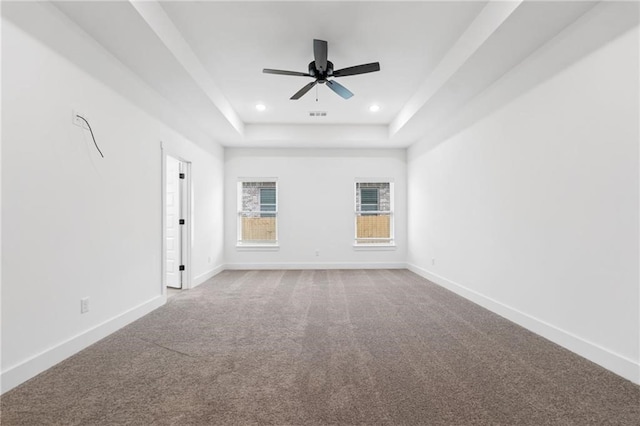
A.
pixel 176 225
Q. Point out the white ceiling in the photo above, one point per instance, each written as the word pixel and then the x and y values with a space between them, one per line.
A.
pixel 206 58
pixel 236 41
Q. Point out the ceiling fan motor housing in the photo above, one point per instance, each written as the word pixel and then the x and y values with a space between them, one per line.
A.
pixel 320 76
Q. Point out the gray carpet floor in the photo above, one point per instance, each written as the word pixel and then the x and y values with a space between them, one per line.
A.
pixel 323 347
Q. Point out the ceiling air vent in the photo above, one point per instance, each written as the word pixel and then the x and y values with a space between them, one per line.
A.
pixel 317 113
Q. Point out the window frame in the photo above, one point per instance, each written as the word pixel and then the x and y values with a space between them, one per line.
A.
pixel 257 244
pixel 389 243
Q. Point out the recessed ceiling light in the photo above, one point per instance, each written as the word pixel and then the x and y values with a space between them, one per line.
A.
pixel 261 107
pixel 374 108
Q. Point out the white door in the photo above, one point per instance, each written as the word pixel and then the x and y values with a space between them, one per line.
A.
pixel 173 198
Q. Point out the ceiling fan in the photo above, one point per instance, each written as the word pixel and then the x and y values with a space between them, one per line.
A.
pixel 321 69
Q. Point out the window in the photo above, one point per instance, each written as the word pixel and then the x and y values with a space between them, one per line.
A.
pixel 374 213
pixel 257 212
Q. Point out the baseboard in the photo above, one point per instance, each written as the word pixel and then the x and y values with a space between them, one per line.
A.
pixel 35 365
pixel 616 363
pixel 207 275
pixel 318 265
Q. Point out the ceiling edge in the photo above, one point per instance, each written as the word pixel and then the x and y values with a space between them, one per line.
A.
pixel 160 23
pixel 490 18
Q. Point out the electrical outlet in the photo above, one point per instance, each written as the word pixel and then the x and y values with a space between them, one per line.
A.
pixel 433 261
pixel 209 259
pixel 84 305
pixel 317 252
pixel 78 121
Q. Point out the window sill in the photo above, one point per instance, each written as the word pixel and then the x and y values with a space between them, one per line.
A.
pixel 374 247
pixel 257 247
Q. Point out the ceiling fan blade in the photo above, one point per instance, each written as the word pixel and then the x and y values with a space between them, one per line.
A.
pixel 281 72
pixel 358 69
pixel 339 89
pixel 320 54
pixel 304 90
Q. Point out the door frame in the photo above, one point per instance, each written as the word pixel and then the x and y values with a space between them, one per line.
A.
pixel 186 206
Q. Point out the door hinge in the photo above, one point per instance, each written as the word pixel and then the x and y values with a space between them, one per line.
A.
pixel 181 175
pixel 181 268
pixel 181 222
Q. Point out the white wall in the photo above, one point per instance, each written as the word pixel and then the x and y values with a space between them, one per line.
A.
pixel 316 206
pixel 533 211
pixel 77 225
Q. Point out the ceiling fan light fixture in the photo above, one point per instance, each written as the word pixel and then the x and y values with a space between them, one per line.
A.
pixel 320 69
pixel 261 107
pixel 374 108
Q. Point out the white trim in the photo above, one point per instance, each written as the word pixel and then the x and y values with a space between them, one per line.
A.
pixel 373 180
pixel 623 366
pixel 390 212
pixel 23 371
pixel 187 235
pixel 259 211
pixel 239 199
pixel 207 275
pixel 335 265
pixel 374 247
pixel 187 203
pixel 257 247
pixel 257 179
